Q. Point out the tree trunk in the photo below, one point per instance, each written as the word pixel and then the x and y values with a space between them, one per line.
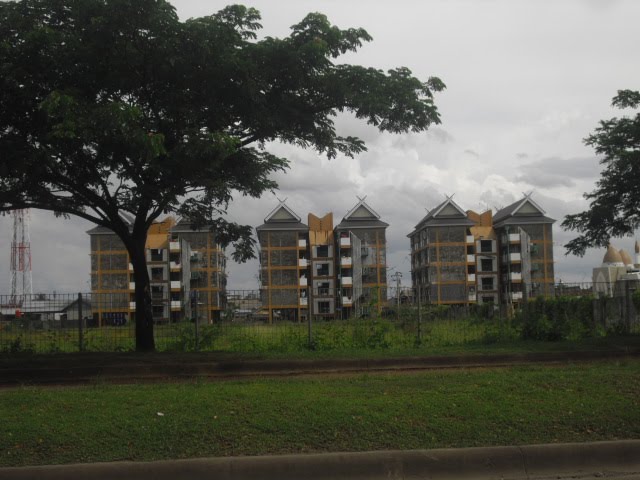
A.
pixel 144 313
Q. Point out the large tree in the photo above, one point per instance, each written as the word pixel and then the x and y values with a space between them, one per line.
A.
pixel 614 208
pixel 113 108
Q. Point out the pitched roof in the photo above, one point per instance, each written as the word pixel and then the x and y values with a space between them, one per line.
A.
pixel 361 216
pixel 525 207
pixel 447 213
pixel 282 218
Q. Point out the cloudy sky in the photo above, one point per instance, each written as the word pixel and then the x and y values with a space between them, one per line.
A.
pixel 526 82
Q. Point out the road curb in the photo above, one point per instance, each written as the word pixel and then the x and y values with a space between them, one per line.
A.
pixel 531 462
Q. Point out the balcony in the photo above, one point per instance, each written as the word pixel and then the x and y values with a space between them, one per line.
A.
pixel 345 241
pixel 175 285
pixel 516 295
pixel 304 301
pixel 303 262
pixel 347 281
pixel 302 243
pixel 471 259
pixel 132 306
pixel 471 278
pixel 345 261
pixel 175 265
pixel 176 304
pixel 472 297
pixel 469 238
pixel 515 276
pixel 512 257
pixel 514 237
pixel 347 301
pixel 132 285
pixel 131 267
pixel 303 281
pixel 174 246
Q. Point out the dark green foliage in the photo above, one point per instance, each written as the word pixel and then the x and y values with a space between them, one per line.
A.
pixel 555 319
pixel 113 108
pixel 614 208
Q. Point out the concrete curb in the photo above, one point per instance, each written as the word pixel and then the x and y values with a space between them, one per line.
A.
pixel 533 462
pixel 73 371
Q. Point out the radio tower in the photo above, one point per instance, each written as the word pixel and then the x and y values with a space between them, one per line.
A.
pixel 21 281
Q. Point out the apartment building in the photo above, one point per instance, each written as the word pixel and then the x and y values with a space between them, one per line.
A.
pixel 322 270
pixel 186 271
pixel 462 257
pixel 284 265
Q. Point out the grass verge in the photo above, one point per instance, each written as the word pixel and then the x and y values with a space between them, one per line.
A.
pixel 519 405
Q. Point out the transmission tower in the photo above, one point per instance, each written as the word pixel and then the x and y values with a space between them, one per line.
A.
pixel 21 281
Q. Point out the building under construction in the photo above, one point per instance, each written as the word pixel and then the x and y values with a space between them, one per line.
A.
pixel 463 258
pixel 322 270
pixel 186 270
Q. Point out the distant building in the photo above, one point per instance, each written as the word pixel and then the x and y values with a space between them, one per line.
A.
pixel 616 273
pixel 462 257
pixel 186 269
pixel 332 272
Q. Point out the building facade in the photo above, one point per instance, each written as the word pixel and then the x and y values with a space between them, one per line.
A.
pixel 462 257
pixel 186 272
pixel 318 269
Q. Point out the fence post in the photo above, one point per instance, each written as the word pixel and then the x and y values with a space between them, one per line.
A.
pixel 80 324
pixel 197 321
pixel 419 314
pixel 309 316
pixel 193 298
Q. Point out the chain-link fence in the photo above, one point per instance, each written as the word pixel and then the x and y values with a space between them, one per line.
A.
pixel 322 319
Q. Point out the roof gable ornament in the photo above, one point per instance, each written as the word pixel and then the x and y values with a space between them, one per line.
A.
pixel 362 211
pixel 282 213
pixel 448 208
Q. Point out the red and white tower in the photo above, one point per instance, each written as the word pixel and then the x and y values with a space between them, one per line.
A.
pixel 21 280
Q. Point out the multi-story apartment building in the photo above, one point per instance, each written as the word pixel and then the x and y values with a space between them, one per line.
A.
pixel 284 264
pixel 186 270
pixel 530 244
pixel 462 258
pixel 362 264
pixel 330 272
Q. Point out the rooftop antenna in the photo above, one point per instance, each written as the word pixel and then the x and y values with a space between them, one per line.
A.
pixel 362 199
pixel 282 201
pixel 21 279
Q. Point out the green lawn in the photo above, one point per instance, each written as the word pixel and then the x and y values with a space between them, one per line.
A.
pixel 519 405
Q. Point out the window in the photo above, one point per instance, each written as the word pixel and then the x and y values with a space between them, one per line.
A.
pixel 486 246
pixel 322 269
pixel 322 251
pixel 486 265
pixel 324 307
pixel 157 274
pixel 487 283
pixel 156 255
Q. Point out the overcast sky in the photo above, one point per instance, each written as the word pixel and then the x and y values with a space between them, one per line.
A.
pixel 526 82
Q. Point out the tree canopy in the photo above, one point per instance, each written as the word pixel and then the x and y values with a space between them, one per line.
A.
pixel 614 208
pixel 115 108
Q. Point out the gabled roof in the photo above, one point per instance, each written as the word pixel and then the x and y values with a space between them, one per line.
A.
pixel 282 213
pixel 282 218
pixel 361 216
pixel 521 212
pixel 447 213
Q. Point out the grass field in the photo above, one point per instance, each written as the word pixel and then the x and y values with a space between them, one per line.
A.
pixel 519 405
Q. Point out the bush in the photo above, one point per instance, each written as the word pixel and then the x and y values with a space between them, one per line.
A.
pixel 555 319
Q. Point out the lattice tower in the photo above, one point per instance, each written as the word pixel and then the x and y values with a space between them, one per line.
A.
pixel 21 279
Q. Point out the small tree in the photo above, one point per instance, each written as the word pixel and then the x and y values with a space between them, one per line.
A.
pixel 614 208
pixel 116 107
